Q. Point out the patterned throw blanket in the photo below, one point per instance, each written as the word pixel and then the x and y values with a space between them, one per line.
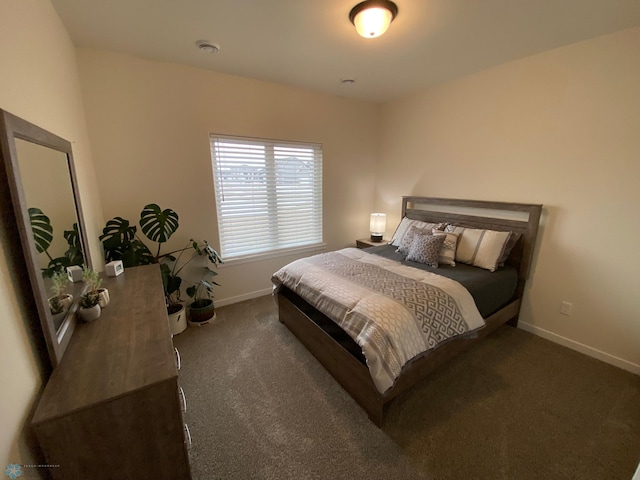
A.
pixel 394 312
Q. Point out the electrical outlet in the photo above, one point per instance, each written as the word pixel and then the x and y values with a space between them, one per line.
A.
pixel 566 308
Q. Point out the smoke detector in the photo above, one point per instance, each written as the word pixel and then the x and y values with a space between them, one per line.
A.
pixel 207 46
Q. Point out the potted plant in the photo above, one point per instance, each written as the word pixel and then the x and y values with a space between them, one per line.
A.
pixel 93 282
pixel 121 242
pixel 202 309
pixel 61 301
pixel 90 308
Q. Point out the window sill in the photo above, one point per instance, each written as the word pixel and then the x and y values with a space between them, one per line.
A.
pixel 315 248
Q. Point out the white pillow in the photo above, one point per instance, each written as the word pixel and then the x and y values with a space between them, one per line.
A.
pixel 480 248
pixel 406 224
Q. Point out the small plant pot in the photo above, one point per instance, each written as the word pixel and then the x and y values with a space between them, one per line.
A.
pixel 177 318
pixel 65 300
pixel 201 314
pixel 104 297
pixel 89 314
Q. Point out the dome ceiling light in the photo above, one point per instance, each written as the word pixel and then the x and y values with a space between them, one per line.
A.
pixel 372 17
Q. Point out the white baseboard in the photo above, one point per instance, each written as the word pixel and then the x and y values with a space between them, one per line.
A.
pixel 587 350
pixel 243 297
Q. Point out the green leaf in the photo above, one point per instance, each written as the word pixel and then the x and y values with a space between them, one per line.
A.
pixel 117 232
pixel 42 229
pixel 212 254
pixel 74 252
pixel 120 243
pixel 170 282
pixel 158 225
pixel 133 254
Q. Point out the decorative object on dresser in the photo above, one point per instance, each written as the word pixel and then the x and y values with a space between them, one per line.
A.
pixel 114 268
pixel 90 308
pixel 346 360
pixel 90 305
pixel 74 273
pixel 113 407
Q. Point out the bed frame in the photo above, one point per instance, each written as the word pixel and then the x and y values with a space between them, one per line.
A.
pixel 342 357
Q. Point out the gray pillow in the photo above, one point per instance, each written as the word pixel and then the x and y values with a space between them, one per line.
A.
pixel 407 239
pixel 426 248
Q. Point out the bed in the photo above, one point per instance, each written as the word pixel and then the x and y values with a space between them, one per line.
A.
pixel 495 305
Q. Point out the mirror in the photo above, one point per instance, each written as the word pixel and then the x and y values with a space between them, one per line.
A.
pixel 39 172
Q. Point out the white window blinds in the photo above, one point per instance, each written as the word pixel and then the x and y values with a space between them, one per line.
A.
pixel 268 194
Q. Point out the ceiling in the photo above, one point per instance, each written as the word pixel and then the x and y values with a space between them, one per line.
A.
pixel 311 43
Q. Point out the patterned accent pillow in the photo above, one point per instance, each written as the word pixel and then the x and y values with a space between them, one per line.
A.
pixel 407 223
pixel 426 249
pixel 407 240
pixel 480 248
pixel 448 250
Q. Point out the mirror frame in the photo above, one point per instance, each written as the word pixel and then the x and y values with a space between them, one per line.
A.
pixel 12 128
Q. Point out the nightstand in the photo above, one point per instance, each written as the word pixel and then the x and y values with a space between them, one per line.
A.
pixel 367 242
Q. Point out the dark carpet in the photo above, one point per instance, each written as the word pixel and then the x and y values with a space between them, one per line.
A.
pixel 515 406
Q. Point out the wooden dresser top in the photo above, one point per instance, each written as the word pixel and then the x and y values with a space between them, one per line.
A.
pixel 127 349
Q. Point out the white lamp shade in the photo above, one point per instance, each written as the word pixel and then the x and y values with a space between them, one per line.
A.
pixel 372 22
pixel 378 223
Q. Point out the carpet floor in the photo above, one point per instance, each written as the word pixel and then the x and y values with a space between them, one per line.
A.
pixel 515 406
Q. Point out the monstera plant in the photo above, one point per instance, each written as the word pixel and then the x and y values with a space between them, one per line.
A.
pixel 43 237
pixel 121 242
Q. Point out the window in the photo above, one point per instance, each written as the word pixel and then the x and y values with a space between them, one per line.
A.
pixel 268 195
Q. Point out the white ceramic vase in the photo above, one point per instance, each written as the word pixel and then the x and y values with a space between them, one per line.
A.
pixel 89 314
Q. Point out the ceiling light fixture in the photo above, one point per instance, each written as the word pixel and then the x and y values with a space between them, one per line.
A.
pixel 372 17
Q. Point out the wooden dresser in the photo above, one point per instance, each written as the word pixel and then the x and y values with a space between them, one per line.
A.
pixel 112 408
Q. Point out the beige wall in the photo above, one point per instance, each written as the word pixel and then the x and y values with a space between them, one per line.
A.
pixel 559 128
pixel 149 124
pixel 39 83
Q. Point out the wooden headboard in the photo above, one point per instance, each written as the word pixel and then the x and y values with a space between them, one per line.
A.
pixel 515 217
